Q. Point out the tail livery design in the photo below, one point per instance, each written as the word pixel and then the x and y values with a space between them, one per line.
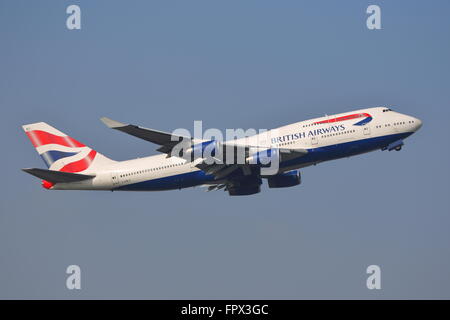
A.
pixel 61 152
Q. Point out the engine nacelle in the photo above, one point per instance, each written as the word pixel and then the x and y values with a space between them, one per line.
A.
pixel 245 186
pixel 244 190
pixel 263 157
pixel 286 179
pixel 200 150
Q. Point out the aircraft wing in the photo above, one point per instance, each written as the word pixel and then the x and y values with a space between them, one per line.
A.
pixel 289 154
pixel 230 177
pixel 221 170
pixel 166 140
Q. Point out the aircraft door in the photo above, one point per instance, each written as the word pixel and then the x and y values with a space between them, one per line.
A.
pixel 115 178
pixel 366 130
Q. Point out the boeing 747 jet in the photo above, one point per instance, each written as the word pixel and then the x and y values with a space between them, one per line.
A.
pixel 75 166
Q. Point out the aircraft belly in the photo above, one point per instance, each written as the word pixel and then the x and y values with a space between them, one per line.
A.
pixel 343 150
pixel 184 180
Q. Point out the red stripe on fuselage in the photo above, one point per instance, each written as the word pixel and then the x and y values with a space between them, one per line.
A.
pixel 344 118
pixel 41 138
pixel 80 165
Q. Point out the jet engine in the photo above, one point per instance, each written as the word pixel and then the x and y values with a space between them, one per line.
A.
pixel 285 179
pixel 200 150
pixel 245 186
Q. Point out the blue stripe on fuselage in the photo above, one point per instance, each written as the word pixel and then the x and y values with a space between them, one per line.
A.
pixel 320 154
pixel 363 122
pixel 346 149
pixel 179 181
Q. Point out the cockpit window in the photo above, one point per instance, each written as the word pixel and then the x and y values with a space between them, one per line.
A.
pixel 386 110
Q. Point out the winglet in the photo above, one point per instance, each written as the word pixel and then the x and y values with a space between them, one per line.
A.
pixel 110 123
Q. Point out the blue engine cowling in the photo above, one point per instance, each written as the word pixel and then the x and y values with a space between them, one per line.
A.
pixel 264 157
pixel 207 148
pixel 244 186
pixel 286 179
pixel 244 190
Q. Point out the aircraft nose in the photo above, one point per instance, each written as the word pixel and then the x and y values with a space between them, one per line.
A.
pixel 417 124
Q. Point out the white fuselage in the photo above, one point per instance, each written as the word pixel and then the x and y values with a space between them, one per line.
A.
pixel 326 138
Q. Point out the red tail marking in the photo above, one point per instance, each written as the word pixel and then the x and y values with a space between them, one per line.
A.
pixel 40 138
pixel 81 164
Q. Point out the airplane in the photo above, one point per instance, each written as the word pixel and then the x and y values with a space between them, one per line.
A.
pixel 75 166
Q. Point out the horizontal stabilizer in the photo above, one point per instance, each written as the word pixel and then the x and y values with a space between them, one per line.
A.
pixel 57 176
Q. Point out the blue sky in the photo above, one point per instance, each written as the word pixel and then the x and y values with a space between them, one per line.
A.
pixel 231 64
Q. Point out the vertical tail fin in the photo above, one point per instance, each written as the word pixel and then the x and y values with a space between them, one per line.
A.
pixel 61 152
